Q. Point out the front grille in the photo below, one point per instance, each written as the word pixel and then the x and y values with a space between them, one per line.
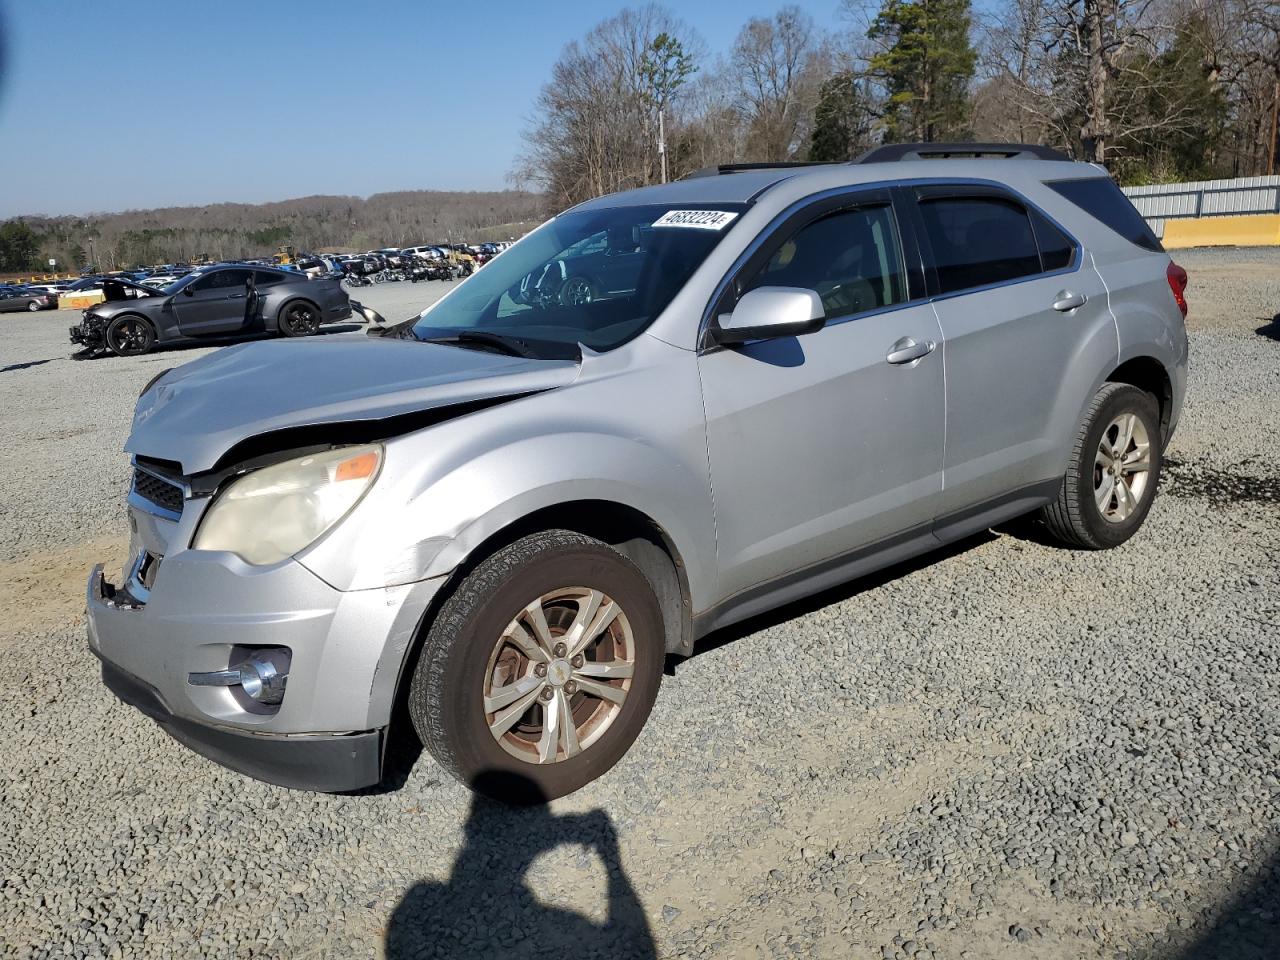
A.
pixel 162 493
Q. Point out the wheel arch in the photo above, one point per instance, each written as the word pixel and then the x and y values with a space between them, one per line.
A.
pixel 627 529
pixel 1149 374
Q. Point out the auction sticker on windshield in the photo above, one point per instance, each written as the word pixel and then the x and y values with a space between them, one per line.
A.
pixel 698 219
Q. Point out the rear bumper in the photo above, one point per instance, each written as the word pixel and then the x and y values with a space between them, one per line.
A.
pixel 326 762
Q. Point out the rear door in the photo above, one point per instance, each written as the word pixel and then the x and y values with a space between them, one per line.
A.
pixel 214 304
pixel 827 445
pixel 1020 308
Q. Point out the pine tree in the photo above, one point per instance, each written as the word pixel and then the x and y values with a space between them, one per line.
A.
pixel 926 63
pixel 841 120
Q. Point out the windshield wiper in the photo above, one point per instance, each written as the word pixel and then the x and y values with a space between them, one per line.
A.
pixel 513 346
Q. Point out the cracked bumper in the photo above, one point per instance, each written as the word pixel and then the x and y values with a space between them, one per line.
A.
pixel 206 610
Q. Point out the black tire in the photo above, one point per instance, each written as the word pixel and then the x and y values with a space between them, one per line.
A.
pixel 130 335
pixel 1075 517
pixel 299 318
pixel 446 693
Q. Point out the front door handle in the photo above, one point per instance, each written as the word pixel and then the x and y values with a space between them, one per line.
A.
pixel 1066 300
pixel 907 349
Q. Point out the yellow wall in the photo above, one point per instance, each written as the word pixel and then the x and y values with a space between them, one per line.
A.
pixel 1248 230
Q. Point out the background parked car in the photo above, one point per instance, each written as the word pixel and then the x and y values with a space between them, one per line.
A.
pixel 222 301
pixel 21 298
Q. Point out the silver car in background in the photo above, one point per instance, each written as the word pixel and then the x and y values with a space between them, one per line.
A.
pixel 662 412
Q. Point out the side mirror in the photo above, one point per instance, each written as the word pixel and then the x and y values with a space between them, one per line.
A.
pixel 767 313
pixel 187 291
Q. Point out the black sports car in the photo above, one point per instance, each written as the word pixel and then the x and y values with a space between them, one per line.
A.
pixel 221 302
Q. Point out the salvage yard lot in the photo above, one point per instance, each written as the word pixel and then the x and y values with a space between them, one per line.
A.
pixel 1007 749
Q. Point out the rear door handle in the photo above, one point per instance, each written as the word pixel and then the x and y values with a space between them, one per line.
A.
pixel 907 349
pixel 1066 300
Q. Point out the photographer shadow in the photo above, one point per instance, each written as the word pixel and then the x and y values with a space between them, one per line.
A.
pixel 486 907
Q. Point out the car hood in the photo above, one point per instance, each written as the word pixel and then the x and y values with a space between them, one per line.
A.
pixel 198 412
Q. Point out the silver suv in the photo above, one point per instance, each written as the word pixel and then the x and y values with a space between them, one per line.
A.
pixel 662 412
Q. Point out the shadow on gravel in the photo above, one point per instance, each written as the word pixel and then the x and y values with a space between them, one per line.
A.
pixel 1248 927
pixel 1270 328
pixel 844 591
pixel 485 908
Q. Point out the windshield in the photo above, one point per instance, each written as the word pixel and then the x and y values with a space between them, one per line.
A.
pixel 598 277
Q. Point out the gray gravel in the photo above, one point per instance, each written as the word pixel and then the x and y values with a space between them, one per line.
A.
pixel 1005 750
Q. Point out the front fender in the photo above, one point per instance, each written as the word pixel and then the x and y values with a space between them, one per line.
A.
pixel 413 527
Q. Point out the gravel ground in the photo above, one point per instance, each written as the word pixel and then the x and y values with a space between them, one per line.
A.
pixel 1004 750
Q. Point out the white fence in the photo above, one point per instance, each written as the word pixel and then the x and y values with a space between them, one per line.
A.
pixel 1205 198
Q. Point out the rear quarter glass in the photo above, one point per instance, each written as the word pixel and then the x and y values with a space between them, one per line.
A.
pixel 1104 201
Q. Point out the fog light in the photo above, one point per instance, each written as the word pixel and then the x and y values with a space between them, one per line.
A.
pixel 262 677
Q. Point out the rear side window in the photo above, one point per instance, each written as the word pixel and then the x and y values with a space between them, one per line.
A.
pixel 979 240
pixel 1056 248
pixel 265 278
pixel 1103 200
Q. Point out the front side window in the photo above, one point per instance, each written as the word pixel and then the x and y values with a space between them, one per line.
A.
pixel 851 258
pixel 595 277
pixel 221 280
pixel 979 240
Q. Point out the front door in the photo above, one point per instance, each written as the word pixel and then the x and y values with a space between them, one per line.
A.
pixel 214 303
pixel 829 444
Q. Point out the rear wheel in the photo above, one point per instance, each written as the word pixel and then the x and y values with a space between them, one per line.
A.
pixel 1114 471
pixel 299 319
pixel 540 671
pixel 130 336
pixel 33 305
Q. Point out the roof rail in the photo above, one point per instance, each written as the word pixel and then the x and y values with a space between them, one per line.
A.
pixel 748 167
pixel 928 151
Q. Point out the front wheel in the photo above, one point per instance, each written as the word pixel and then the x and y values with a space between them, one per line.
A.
pixel 1114 470
pixel 540 671
pixel 299 319
pixel 130 336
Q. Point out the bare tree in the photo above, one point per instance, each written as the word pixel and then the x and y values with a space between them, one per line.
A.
pixel 779 65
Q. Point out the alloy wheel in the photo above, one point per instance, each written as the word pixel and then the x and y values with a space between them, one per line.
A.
pixel 576 292
pixel 128 336
pixel 1121 468
pixel 559 674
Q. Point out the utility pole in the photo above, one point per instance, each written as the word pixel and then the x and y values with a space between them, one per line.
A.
pixel 662 144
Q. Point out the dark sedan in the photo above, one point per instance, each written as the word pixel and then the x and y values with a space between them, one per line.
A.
pixel 20 298
pixel 225 301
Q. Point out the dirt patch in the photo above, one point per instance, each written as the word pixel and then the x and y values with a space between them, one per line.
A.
pixel 46 590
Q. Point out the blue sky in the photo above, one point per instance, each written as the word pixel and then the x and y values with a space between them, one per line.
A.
pixel 130 104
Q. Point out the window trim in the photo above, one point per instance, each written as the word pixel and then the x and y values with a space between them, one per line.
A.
pixel 958 189
pixel 795 217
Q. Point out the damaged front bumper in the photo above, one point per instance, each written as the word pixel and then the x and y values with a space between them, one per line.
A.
pixel 206 611
pixel 91 334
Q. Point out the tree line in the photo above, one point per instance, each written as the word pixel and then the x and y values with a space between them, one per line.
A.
pixel 230 231
pixel 1156 90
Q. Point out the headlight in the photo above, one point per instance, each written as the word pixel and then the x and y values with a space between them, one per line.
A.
pixel 274 512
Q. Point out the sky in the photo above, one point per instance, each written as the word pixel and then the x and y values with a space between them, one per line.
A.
pixel 132 104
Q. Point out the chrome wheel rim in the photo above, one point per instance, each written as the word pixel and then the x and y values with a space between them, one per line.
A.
pixel 576 292
pixel 1122 468
pixel 559 674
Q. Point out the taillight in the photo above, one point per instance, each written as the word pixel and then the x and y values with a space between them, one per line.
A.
pixel 1178 284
